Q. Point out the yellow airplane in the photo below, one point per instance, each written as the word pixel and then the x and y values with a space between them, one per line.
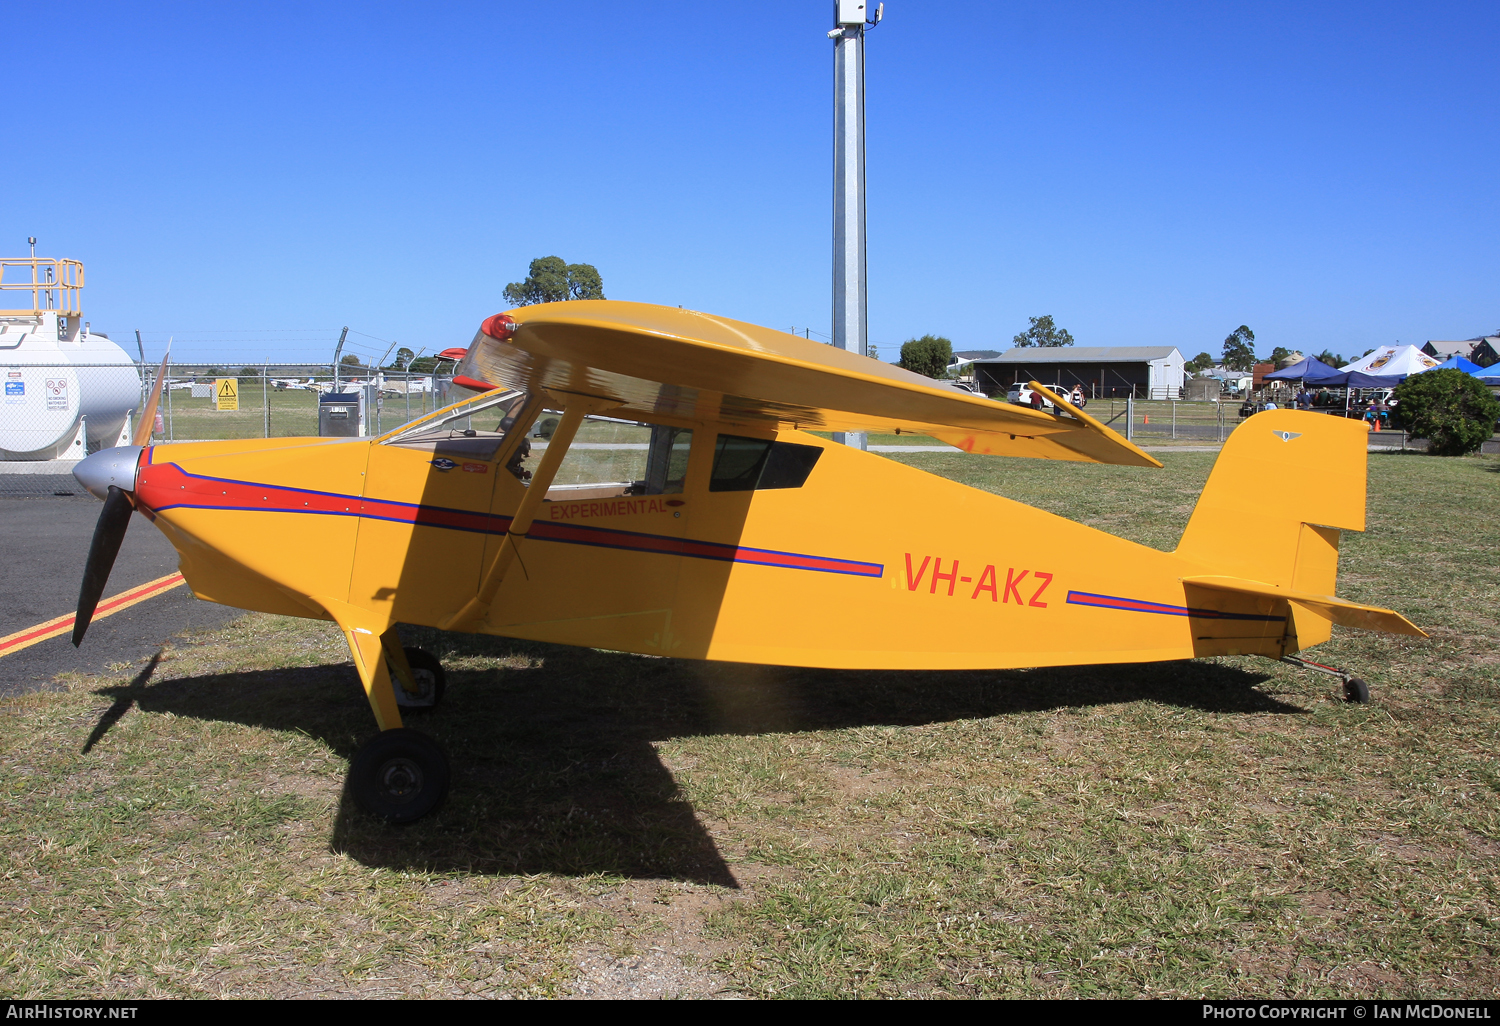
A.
pixel 644 479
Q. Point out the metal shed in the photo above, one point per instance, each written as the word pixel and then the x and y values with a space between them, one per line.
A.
pixel 1104 372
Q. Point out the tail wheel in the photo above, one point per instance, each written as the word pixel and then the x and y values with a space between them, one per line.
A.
pixel 430 678
pixel 399 776
pixel 1356 691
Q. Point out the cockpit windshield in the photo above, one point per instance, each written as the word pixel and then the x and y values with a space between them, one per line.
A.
pixel 473 429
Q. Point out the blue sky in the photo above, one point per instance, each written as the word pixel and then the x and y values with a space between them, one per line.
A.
pixel 251 177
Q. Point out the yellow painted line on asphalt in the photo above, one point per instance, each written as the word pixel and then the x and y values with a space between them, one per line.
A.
pixel 64 624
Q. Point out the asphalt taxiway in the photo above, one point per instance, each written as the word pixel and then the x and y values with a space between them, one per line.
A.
pixel 47 541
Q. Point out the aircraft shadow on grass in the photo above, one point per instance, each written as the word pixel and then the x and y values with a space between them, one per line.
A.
pixel 554 764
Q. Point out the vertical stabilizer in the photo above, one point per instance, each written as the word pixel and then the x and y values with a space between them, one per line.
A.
pixel 1285 485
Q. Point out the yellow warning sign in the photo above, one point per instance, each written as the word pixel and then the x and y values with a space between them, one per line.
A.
pixel 227 393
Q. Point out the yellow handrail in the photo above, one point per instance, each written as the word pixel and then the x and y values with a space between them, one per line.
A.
pixel 56 283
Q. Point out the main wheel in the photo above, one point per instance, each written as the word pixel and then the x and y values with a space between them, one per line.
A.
pixel 399 776
pixel 1356 690
pixel 430 678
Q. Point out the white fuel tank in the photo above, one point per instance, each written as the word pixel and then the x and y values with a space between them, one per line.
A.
pixel 55 372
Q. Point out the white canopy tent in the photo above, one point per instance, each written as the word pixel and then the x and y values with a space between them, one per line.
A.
pixel 1388 365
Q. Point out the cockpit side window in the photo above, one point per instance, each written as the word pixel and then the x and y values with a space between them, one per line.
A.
pixel 472 430
pixel 667 460
pixel 746 464
pixel 608 457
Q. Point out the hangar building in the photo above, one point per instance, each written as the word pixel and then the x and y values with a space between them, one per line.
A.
pixel 1104 372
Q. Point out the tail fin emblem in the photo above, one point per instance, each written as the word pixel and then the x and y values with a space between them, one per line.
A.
pixel 1287 436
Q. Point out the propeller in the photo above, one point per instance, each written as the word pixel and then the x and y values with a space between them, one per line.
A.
pixel 142 433
pixel 111 472
pixel 109 532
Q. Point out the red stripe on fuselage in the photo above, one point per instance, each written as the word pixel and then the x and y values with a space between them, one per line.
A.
pixel 167 486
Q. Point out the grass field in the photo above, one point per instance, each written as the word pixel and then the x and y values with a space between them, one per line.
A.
pixel 633 826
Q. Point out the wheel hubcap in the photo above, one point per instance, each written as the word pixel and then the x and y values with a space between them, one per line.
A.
pixel 401 780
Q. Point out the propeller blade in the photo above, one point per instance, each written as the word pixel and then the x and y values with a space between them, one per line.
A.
pixel 109 532
pixel 148 416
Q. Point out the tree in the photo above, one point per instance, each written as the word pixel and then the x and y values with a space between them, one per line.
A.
pixel 249 372
pixel 550 280
pixel 1043 332
pixel 1280 353
pixel 929 355
pixel 584 282
pixel 1449 408
pixel 350 361
pixel 1332 359
pixel 1200 362
pixel 1239 354
pixel 404 358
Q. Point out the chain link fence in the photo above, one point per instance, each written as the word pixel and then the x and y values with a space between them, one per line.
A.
pixel 47 422
pixel 268 406
pixel 1154 421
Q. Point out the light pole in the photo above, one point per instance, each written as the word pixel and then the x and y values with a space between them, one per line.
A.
pixel 850 298
pixel 336 350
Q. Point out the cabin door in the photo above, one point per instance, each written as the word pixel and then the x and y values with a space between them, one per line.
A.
pixel 601 562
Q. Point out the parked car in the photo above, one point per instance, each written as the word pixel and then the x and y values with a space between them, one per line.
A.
pixel 1022 394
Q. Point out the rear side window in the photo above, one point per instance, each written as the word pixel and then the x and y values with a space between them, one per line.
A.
pixel 746 464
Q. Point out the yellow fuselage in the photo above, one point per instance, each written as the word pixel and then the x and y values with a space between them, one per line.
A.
pixel 869 564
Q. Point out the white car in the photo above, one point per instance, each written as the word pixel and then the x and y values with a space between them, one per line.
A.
pixel 1022 394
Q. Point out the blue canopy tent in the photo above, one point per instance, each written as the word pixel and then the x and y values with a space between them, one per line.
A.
pixel 1489 375
pixel 1311 370
pixel 1458 363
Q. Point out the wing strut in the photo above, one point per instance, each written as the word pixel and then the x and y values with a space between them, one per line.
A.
pixel 478 607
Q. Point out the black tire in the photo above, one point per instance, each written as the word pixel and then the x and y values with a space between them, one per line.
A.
pixel 1356 691
pixel 430 679
pixel 399 776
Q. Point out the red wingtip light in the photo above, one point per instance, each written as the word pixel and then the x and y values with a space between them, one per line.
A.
pixel 501 326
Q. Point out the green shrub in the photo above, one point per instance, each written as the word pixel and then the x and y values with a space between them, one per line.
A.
pixel 1449 408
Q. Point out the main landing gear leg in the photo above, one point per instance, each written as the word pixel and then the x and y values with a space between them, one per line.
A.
pixel 401 775
pixel 1355 690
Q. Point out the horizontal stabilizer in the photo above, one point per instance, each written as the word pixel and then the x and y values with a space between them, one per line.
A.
pixel 1340 611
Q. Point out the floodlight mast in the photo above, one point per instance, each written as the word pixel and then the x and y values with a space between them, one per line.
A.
pixel 850 297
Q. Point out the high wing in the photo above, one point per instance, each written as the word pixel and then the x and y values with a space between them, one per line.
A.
pixel 681 363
